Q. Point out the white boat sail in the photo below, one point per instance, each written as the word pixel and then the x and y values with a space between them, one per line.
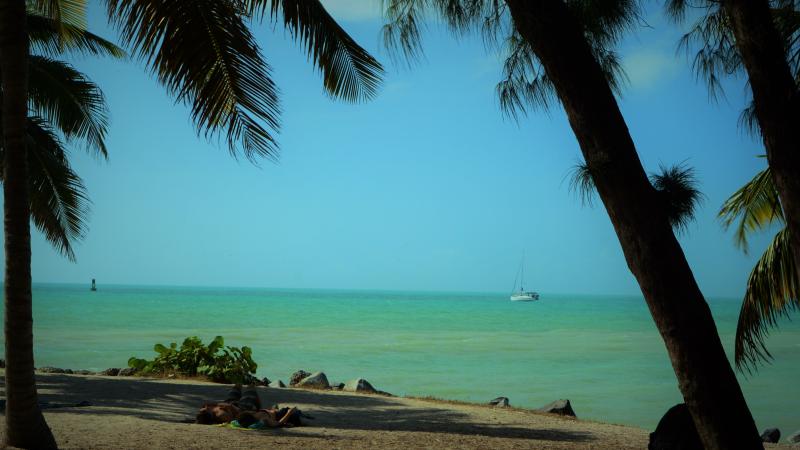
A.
pixel 522 295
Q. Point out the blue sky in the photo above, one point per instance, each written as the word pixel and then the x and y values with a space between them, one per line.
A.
pixel 427 187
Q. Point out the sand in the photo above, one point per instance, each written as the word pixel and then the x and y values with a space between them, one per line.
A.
pixel 143 413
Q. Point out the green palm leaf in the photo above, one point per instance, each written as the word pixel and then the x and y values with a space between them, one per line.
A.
pixel 349 71
pixel 58 199
pixel 205 55
pixel 48 36
pixel 772 292
pixel 69 12
pixel 68 101
pixel 755 205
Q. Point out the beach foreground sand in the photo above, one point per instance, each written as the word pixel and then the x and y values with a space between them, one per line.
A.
pixel 132 412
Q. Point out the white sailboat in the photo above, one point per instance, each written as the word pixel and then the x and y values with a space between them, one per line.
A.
pixel 522 295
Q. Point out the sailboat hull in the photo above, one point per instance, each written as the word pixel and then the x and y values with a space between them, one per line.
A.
pixel 525 297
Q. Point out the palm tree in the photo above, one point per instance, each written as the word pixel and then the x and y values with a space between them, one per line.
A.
pixel 564 46
pixel 773 288
pixel 763 38
pixel 63 104
pixel 205 55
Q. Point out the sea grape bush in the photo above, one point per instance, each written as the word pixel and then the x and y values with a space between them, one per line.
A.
pixel 218 362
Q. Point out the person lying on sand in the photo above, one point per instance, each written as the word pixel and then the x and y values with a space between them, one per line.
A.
pixel 231 408
pixel 245 409
pixel 270 418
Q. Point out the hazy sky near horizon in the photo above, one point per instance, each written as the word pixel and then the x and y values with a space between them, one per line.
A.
pixel 427 187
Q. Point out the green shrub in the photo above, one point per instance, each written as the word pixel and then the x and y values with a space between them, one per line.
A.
pixel 220 363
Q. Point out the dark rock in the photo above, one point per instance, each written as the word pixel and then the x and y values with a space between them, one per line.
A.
pixel 337 386
pixel 84 372
pixel 384 393
pixel 794 439
pixel 127 372
pixel 277 384
pixel 297 376
pixel 771 435
pixel 500 402
pixel 675 431
pixel 111 372
pixel 561 407
pixel 359 385
pixel 264 382
pixel 317 380
pixel 48 369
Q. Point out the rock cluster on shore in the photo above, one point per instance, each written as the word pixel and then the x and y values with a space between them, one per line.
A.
pixel 318 380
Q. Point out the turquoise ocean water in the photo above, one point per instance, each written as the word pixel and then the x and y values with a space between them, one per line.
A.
pixel 601 352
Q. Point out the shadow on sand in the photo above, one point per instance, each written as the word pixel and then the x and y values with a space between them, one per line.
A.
pixel 172 402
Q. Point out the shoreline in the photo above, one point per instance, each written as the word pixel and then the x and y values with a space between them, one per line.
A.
pixel 140 412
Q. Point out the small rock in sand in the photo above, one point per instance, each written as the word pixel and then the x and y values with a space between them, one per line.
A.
pixel 277 384
pixel 500 402
pixel 317 380
pixel 297 376
pixel 111 372
pixel 794 439
pixel 561 407
pixel 53 370
pixel 359 385
pixel 771 435
pixel 127 372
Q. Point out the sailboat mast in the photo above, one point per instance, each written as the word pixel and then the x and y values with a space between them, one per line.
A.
pixel 522 276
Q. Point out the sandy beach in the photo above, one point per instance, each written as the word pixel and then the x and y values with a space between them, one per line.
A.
pixel 133 413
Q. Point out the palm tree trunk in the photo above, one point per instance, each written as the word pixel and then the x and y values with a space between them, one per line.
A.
pixel 651 250
pixel 776 101
pixel 25 425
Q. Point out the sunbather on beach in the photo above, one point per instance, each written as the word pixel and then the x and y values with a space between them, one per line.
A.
pixel 245 408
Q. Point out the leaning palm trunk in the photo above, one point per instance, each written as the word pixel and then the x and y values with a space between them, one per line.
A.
pixel 775 96
pixel 25 425
pixel 651 250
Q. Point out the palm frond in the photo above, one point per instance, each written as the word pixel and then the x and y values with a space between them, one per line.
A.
pixel 772 292
pixel 67 12
pixel 50 38
pixel 205 55
pixel 677 189
pixel 58 198
pixel 755 205
pixel 69 101
pixel 349 72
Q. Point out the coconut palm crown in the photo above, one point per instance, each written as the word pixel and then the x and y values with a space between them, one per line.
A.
pixel 66 110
